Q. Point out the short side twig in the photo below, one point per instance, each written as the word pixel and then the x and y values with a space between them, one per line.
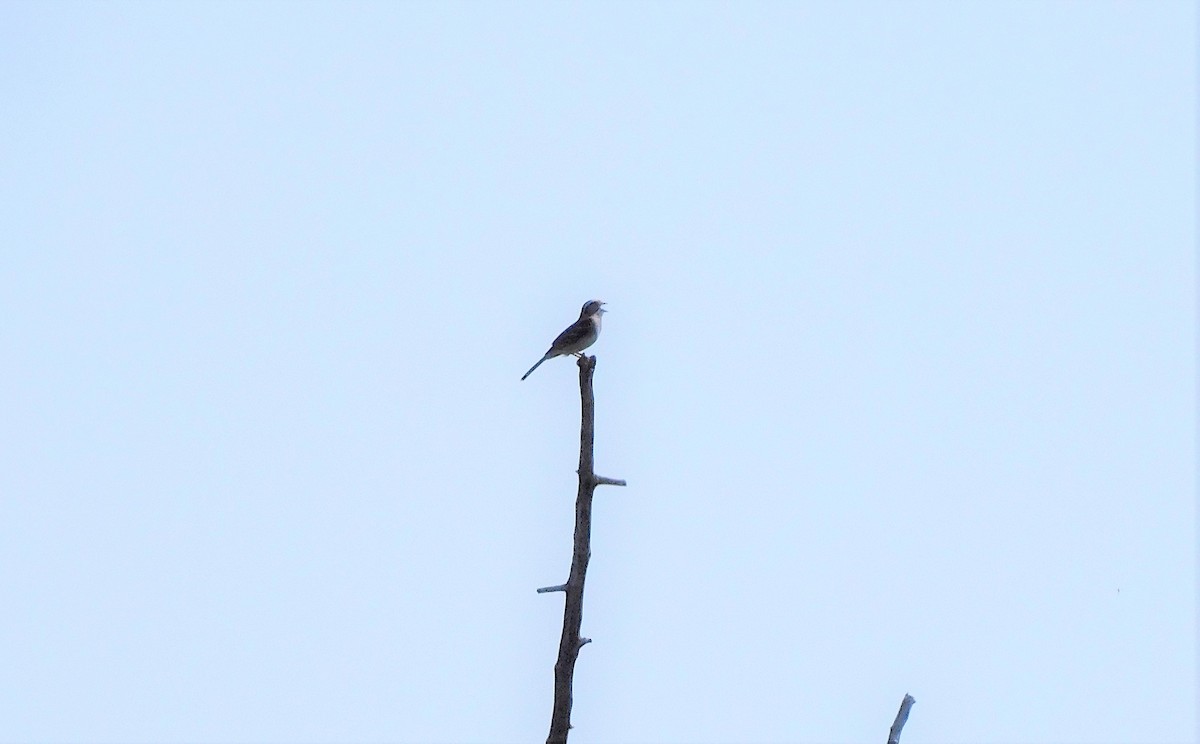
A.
pixel 901 719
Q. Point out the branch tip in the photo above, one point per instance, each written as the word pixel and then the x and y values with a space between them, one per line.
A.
pixel 901 719
pixel 555 588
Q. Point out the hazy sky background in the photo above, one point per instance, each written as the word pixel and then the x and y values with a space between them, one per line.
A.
pixel 899 365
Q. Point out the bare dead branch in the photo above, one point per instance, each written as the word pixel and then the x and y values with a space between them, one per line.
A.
pixel 570 642
pixel 555 588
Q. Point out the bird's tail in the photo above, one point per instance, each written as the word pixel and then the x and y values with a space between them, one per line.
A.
pixel 531 369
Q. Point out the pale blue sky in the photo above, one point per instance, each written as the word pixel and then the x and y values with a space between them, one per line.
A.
pixel 899 365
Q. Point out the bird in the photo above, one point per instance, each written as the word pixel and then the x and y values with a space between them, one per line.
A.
pixel 578 336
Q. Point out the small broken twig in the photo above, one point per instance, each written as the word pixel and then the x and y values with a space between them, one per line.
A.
pixel 901 718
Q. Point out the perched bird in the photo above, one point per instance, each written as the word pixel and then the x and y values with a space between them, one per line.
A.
pixel 578 336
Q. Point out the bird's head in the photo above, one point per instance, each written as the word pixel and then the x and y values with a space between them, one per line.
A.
pixel 592 307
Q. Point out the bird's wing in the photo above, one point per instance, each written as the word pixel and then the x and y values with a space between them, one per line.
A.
pixel 573 336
